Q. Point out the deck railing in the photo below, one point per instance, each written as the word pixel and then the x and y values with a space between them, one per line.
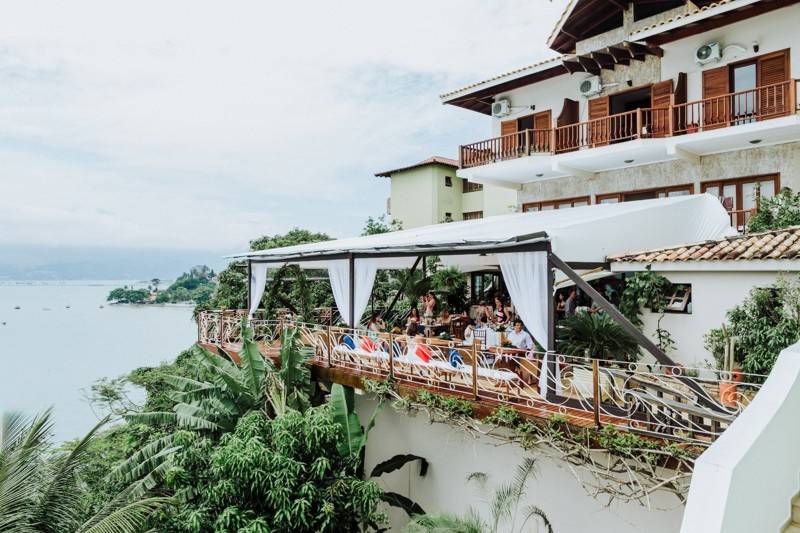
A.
pixel 743 107
pixel 691 406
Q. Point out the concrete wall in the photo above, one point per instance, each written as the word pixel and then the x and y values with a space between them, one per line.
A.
pixel 745 481
pixel 419 196
pixel 783 159
pixel 454 454
pixel 713 295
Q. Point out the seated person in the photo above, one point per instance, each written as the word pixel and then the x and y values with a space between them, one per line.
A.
pixel 412 330
pixel 500 311
pixel 519 337
pixel 444 317
pixel 376 324
pixel 413 316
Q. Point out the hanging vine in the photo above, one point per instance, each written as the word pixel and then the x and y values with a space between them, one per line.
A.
pixel 622 466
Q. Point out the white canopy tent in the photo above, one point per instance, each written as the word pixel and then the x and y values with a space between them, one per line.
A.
pixel 527 247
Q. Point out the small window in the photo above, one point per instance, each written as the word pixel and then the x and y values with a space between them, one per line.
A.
pixel 472 187
pixel 680 301
pixel 448 181
pixel 472 215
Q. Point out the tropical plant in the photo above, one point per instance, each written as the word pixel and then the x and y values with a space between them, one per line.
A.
pixel 353 437
pixel 504 510
pixel 648 289
pixel 763 325
pixel 780 211
pixel 451 284
pixel 598 336
pixel 41 490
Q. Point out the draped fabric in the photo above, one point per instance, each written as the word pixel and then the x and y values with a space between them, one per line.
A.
pixel 258 283
pixel 339 273
pixel 525 274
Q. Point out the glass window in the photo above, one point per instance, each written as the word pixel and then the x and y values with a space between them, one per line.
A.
pixel 448 181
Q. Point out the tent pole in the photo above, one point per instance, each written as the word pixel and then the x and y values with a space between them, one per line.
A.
pixel 249 283
pixel 551 325
pixel 400 290
pixel 352 291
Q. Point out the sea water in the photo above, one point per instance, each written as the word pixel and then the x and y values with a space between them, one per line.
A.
pixel 64 336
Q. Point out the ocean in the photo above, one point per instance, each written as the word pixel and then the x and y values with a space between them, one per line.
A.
pixel 64 336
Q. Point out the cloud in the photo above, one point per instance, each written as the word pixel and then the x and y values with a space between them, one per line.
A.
pixel 204 124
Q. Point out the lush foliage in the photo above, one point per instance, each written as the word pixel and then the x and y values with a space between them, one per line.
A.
pixel 279 474
pixel 648 289
pixel 128 295
pixel 765 323
pixel 291 287
pixel 598 336
pixel 780 211
pixel 451 285
pixel 196 286
pixel 45 490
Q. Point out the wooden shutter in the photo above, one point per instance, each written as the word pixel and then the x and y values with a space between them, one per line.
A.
pixel 542 126
pixel 660 101
pixel 716 104
pixel 679 114
pixel 508 141
pixel 566 133
pixel 598 132
pixel 773 100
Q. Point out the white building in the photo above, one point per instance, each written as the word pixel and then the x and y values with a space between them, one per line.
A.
pixel 711 278
pixel 647 99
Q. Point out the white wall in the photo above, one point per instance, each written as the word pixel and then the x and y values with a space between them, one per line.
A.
pixel 713 294
pixel 773 31
pixel 454 454
pixel 745 481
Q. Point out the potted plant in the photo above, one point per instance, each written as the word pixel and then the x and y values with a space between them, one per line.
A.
pixel 729 388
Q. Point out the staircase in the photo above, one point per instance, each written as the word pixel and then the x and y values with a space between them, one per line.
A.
pixel 794 524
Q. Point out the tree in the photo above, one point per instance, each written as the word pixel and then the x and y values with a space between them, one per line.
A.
pixel 504 507
pixel 780 211
pixel 41 490
pixel 378 225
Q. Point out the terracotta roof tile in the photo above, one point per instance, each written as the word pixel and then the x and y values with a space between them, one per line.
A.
pixel 776 244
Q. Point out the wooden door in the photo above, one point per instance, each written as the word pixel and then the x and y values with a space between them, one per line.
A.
pixel 658 121
pixel 773 100
pixel 508 139
pixel 716 104
pixel 542 126
pixel 598 131
pixel 566 127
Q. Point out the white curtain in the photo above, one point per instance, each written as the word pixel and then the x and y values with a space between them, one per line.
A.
pixel 339 273
pixel 258 283
pixel 525 274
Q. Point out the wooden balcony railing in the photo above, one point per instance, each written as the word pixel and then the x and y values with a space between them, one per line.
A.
pixel 692 406
pixel 743 107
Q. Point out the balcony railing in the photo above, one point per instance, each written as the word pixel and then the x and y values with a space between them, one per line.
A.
pixel 762 103
pixel 691 406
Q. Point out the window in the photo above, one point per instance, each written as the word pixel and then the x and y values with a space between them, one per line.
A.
pixel 681 299
pixel 472 187
pixel 472 215
pixel 739 195
pixel 448 181
pixel 646 194
pixel 556 204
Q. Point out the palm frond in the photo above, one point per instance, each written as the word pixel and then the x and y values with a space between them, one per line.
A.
pixel 127 519
pixel 534 512
pixel 253 368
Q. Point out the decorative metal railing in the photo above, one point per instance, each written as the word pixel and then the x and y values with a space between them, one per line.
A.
pixel 743 107
pixel 692 406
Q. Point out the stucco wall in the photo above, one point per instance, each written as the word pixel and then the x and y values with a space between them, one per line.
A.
pixel 454 454
pixel 713 295
pixel 783 159
pixel 419 196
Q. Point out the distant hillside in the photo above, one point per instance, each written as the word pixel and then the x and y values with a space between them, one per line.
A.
pixel 88 263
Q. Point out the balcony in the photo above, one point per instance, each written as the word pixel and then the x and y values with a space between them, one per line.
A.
pixel 691 407
pixel 733 121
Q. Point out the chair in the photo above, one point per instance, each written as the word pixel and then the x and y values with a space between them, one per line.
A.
pixel 457 327
pixel 480 334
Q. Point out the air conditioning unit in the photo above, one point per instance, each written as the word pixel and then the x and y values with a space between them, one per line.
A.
pixel 501 108
pixel 707 53
pixel 591 86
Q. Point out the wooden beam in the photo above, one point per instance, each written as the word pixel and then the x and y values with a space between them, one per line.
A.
pixel 620 55
pixel 589 65
pixel 639 49
pixel 572 66
pixel 605 61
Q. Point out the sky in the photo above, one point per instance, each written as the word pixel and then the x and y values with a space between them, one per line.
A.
pixel 202 125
